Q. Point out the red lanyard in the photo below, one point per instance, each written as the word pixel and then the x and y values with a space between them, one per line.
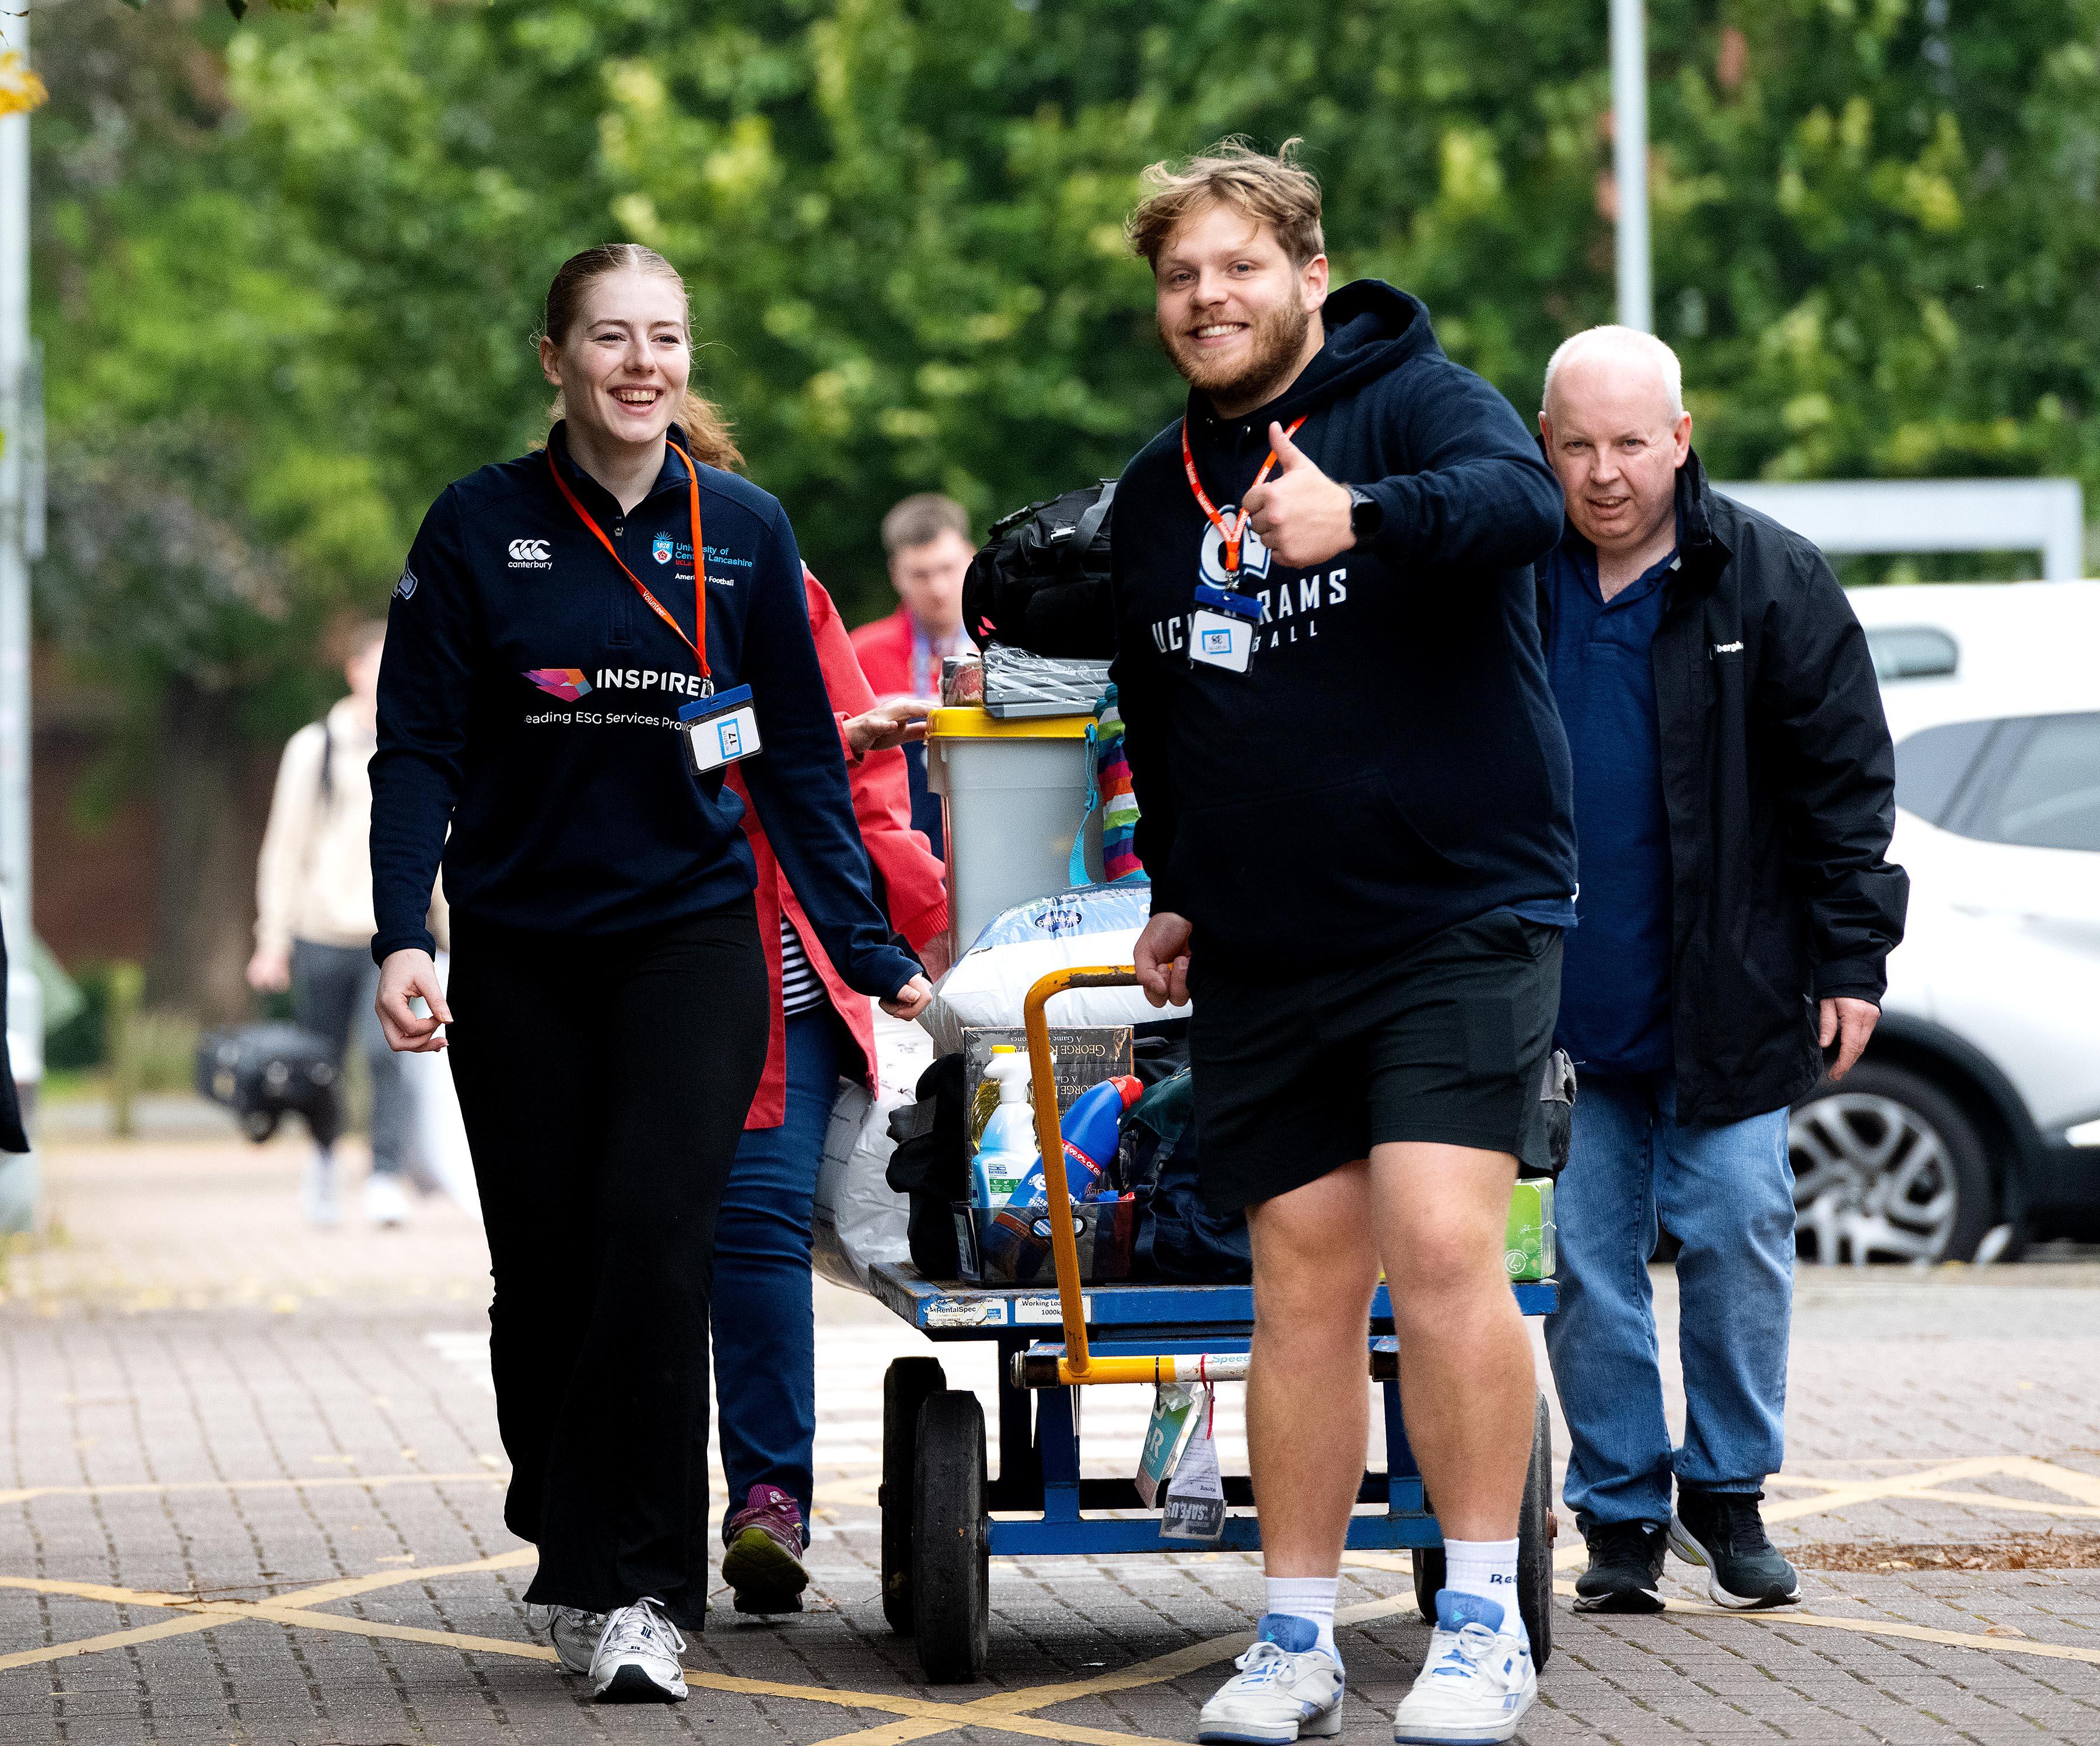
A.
pixel 1237 531
pixel 698 642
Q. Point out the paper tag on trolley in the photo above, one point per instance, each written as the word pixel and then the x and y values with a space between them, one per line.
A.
pixel 1196 1495
pixel 1174 1421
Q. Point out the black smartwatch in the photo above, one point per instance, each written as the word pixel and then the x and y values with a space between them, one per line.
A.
pixel 1365 517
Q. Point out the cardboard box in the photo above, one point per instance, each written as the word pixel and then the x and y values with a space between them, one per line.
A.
pixel 1527 1244
pixel 1086 1054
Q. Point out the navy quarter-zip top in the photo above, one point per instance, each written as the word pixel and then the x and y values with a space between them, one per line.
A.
pixel 529 701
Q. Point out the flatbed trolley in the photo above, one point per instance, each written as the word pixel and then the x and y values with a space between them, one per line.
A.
pixel 943 1518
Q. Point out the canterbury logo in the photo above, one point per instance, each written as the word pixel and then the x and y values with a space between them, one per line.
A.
pixel 529 551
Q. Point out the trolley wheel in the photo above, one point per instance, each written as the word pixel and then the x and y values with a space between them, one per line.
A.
pixel 1534 1539
pixel 905 1386
pixel 1534 1547
pixel 952 1557
pixel 1428 1579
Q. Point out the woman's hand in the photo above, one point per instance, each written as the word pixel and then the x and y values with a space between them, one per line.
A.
pixel 907 1002
pixel 901 721
pixel 405 975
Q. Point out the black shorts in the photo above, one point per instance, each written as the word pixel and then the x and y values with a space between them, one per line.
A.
pixel 1446 1042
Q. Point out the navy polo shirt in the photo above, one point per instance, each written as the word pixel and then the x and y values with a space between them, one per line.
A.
pixel 1615 966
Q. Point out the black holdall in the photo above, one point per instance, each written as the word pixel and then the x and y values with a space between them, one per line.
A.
pixel 263 1073
pixel 1040 582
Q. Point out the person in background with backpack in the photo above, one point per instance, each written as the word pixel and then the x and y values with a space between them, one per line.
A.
pixel 314 924
pixel 927 538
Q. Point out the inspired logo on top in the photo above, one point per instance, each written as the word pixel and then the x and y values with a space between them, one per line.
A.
pixel 661 547
pixel 1254 555
pixel 567 683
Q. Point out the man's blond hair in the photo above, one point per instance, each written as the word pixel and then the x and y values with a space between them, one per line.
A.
pixel 1272 190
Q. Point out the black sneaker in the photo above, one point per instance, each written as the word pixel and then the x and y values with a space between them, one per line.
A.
pixel 1625 1564
pixel 1723 1531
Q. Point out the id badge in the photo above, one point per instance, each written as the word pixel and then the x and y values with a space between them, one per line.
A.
pixel 720 729
pixel 1223 629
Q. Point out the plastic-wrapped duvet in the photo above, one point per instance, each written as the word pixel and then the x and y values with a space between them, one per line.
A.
pixel 1088 925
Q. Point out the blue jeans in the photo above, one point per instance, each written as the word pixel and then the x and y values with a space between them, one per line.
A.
pixel 1727 1195
pixel 765 1324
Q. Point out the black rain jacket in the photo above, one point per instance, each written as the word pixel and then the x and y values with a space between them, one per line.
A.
pixel 1779 782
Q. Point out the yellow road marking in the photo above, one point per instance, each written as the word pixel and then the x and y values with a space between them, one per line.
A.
pixel 481 1476
pixel 1918 1633
pixel 201 1614
pixel 1008 1712
pixel 140 1633
pixel 998 1710
pixel 1922 1486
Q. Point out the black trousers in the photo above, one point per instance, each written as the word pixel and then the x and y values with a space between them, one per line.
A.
pixel 605 1083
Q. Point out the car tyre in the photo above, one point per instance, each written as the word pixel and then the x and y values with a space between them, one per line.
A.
pixel 1875 1155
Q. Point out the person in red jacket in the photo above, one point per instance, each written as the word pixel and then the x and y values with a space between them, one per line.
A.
pixel 765 1332
pixel 926 539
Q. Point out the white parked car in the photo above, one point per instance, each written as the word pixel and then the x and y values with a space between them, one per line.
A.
pixel 1977 1107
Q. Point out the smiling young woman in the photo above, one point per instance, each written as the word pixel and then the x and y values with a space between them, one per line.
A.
pixel 548 722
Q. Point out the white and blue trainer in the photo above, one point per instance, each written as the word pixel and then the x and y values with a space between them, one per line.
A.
pixel 1287 1688
pixel 1478 1681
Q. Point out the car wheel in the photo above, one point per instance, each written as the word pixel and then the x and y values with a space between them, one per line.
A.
pixel 1886 1167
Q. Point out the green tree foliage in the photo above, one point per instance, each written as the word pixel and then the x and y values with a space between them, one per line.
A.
pixel 288 272
pixel 1876 230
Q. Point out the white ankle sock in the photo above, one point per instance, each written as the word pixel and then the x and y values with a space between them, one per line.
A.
pixel 1307 1597
pixel 1486 1568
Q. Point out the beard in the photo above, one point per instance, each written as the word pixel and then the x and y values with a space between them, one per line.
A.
pixel 1278 339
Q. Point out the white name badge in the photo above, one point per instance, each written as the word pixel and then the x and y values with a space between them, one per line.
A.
pixel 1222 630
pixel 720 729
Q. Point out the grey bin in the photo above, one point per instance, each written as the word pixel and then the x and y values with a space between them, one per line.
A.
pixel 1013 794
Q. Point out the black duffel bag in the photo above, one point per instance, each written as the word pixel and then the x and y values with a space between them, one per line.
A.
pixel 263 1073
pixel 930 1164
pixel 1041 581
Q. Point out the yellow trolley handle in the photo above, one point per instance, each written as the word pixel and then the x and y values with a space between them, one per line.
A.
pixel 1050 1137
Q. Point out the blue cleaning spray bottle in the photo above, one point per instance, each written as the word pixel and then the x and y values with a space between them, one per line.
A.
pixel 1091 1129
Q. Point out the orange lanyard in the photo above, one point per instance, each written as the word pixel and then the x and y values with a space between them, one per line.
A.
pixel 699 643
pixel 1237 531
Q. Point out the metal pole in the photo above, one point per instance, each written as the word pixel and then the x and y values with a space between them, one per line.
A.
pixel 19 421
pixel 1630 159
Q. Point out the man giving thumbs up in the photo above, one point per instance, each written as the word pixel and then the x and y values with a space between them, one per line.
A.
pixel 1356 821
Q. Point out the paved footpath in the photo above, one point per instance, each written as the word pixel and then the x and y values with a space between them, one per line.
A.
pixel 251 1483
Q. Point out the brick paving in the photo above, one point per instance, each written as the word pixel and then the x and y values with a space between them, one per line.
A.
pixel 211 1407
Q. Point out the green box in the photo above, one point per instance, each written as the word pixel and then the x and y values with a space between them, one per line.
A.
pixel 1528 1244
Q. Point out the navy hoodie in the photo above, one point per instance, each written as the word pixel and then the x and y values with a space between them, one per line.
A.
pixel 1390 763
pixel 529 701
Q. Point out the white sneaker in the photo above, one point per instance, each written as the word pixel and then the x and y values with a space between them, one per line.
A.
pixel 1477 1683
pixel 573 1633
pixel 319 1196
pixel 1286 1689
pixel 637 1658
pixel 385 1201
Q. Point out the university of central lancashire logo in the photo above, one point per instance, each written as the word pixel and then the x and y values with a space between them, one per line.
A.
pixel 567 683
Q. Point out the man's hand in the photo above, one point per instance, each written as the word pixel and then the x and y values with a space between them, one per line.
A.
pixel 1302 515
pixel 911 1000
pixel 405 975
pixel 901 721
pixel 270 972
pixel 1161 958
pixel 1849 1023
